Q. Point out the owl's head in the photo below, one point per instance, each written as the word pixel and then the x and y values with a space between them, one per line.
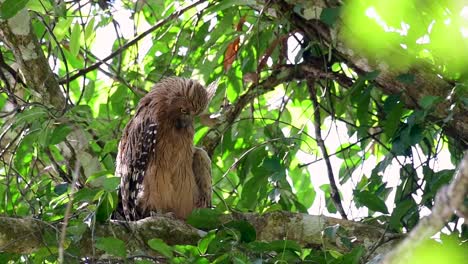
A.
pixel 182 99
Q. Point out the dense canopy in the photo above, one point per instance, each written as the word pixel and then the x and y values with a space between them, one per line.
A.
pixel 323 110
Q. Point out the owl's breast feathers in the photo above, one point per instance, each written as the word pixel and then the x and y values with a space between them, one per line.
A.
pixel 169 184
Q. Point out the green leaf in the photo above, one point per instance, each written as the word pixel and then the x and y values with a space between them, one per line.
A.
pixel 347 150
pixel 86 194
pixel 3 100
pixel 282 245
pixel 118 99
pixel 248 233
pixel 406 78
pixel 111 146
pixel 75 40
pixel 161 247
pixel 305 190
pixel 429 101
pixel 330 15
pixel 329 201
pixel 112 246
pixel 400 211
pixel 353 257
pixel 347 168
pixel 59 134
pixel 10 8
pixel 362 111
pixel 106 206
pixel 205 242
pixel 62 27
pixel 30 115
pixel 61 188
pixel 89 30
pixel 371 201
pixel 371 75
pixel 393 107
pixel 204 218
pixel 221 5
pixel 110 184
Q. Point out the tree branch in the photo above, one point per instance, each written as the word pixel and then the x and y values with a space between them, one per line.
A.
pixel 17 33
pixel 334 192
pixel 132 42
pixel 28 235
pixel 281 74
pixel 426 81
pixel 449 200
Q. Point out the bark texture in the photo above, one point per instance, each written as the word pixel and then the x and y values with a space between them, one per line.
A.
pixel 29 235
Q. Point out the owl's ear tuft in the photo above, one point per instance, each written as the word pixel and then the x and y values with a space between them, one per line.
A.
pixel 211 89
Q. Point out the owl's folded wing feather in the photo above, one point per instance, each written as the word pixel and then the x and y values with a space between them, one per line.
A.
pixel 135 149
pixel 202 172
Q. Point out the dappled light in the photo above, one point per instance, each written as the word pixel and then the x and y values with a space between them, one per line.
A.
pixel 405 33
pixel 328 132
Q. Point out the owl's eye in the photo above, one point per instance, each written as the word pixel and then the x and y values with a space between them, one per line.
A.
pixel 183 111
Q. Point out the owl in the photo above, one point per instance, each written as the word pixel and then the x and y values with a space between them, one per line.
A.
pixel 159 167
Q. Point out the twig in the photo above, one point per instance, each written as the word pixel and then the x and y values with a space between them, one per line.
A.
pixel 130 43
pixel 449 200
pixel 334 193
pixel 67 212
pixel 280 74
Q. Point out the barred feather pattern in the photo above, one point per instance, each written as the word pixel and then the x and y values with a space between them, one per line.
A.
pixel 133 169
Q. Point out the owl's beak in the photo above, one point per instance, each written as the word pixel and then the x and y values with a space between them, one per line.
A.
pixel 184 121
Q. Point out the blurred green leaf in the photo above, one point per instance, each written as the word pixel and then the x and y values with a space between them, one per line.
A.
pixel 161 247
pixel 429 101
pixel 59 134
pixel 205 242
pixel 248 233
pixel 75 40
pixel 330 15
pixel 112 246
pixel 347 150
pixel 10 8
pixel 204 218
pixel 110 184
pixel 107 205
pixel 371 201
pixel 329 202
pixel 406 78
pixel 400 211
pixel 393 107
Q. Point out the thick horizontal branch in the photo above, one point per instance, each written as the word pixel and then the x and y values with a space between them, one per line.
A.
pixel 29 235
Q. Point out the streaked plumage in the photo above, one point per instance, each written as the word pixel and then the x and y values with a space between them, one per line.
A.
pixel 160 169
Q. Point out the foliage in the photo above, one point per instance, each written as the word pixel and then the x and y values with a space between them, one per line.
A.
pixel 264 157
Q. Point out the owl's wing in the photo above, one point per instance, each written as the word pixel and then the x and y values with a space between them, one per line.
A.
pixel 202 172
pixel 136 148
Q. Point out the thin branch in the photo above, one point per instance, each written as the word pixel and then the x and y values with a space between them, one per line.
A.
pixel 449 201
pixel 280 74
pixel 67 212
pixel 132 42
pixel 334 193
